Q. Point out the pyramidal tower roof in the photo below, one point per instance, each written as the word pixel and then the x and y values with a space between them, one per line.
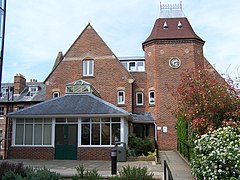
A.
pixel 172 25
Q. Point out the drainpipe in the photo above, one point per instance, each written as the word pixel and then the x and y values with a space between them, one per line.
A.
pixel 132 99
pixel 156 143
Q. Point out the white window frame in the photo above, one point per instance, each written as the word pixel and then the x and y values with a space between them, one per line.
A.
pixel 151 98
pixel 100 135
pixel 55 94
pixel 136 67
pixel 88 67
pixel 137 103
pixel 121 100
pixel 32 90
pixel 33 126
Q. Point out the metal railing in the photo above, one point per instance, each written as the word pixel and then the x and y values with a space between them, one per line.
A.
pixel 185 149
pixel 167 171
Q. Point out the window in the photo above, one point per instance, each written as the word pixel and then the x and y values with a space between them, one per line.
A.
pixel 100 131
pixel 32 90
pixel 151 97
pixel 88 67
pixel 125 64
pixel 56 94
pixel 1 111
pixel 30 131
pixel 20 107
pixel 4 91
pixel 135 66
pixel 121 97
pixel 139 98
pixel 132 66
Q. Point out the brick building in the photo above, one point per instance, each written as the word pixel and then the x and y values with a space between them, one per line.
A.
pixel 95 99
pixel 15 96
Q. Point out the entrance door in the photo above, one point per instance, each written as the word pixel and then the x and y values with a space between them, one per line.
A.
pixel 66 141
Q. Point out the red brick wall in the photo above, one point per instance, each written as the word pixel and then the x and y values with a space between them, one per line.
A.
pixel 165 79
pixel 94 153
pixel 31 153
pixel 109 73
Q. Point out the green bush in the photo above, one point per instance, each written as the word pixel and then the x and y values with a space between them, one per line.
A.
pixel 14 168
pixel 141 146
pixel 216 155
pixel 135 173
pixel 84 174
pixel 41 173
pixel 9 175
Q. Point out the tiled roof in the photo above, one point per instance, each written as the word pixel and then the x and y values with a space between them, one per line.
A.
pixel 38 97
pixel 71 105
pixel 142 118
pixel 172 31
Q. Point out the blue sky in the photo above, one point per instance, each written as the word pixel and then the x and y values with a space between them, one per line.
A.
pixel 37 30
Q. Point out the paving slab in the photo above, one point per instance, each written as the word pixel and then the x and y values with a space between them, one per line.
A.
pixel 179 168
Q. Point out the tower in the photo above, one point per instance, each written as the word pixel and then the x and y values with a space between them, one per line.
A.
pixel 171 48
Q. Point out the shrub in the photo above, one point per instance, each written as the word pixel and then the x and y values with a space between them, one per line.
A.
pixel 14 168
pixel 216 155
pixel 9 175
pixel 82 173
pixel 41 173
pixel 135 173
pixel 141 146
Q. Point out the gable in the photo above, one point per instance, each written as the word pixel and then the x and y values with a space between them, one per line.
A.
pixel 88 41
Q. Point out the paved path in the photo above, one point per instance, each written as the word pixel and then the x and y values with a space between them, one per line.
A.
pixel 180 169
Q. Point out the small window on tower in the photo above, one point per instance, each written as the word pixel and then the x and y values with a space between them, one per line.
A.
pixel 139 98
pixel 151 98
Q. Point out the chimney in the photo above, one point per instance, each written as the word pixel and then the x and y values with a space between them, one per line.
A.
pixel 19 83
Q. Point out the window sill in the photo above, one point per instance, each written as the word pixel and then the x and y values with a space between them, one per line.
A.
pixel 151 105
pixel 121 105
pixel 88 77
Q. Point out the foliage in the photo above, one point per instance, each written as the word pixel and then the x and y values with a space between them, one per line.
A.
pixel 135 173
pixel 185 144
pixel 216 154
pixel 9 171
pixel 82 173
pixel 41 173
pixel 14 168
pixel 206 101
pixel 9 175
pixel 141 146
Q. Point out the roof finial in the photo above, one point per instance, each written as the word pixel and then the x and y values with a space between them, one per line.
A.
pixel 171 6
pixel 171 10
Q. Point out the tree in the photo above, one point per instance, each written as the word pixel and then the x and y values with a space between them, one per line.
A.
pixel 206 101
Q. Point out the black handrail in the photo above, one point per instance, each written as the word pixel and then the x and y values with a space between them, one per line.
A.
pixel 167 171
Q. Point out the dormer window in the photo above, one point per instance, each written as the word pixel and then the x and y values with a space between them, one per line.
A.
pixel 165 26
pixel 180 25
pixel 134 66
pixel 32 90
